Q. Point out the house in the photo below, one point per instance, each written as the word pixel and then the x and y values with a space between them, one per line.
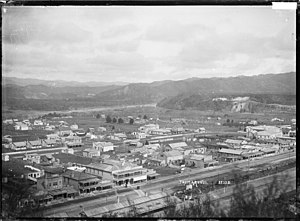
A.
pixel 49 143
pixel 155 162
pixel 103 146
pixel 159 132
pixel 64 132
pixel 53 137
pixel 148 127
pixel 8 121
pixel 49 127
pixel 52 187
pixel 235 143
pixel 139 135
pixel 173 146
pixel 121 135
pixel 119 172
pixel 5 157
pixel 200 130
pixel 91 152
pixel 173 156
pixel 38 123
pixel 19 145
pixel 73 141
pixel 101 129
pixel 230 155
pixel 74 127
pixel 21 126
pixel 32 158
pixel 177 129
pixel 292 133
pixel 34 144
pixel 253 122
pixel 277 119
pixel 194 161
pixel 153 146
pixel 82 182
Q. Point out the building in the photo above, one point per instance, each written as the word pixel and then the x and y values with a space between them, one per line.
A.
pixel 103 146
pixel 139 135
pixel 73 141
pixel 194 161
pixel 235 143
pixel 173 157
pixel 159 132
pixel 34 144
pixel 21 126
pixel 91 152
pixel 82 182
pixel 74 127
pixel 19 145
pixel 38 123
pixel 148 127
pixel 177 145
pixel 32 158
pixel 230 155
pixel 52 188
pixel 5 157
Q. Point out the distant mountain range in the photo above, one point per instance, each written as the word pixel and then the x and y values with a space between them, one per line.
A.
pixel 61 95
pixel 58 83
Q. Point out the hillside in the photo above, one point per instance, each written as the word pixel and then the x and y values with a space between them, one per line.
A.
pixel 154 92
pixel 171 94
pixel 58 83
pixel 242 103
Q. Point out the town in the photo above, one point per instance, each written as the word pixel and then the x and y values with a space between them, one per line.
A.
pixel 63 161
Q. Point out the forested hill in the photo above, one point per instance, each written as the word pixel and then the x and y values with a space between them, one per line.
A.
pixel 172 94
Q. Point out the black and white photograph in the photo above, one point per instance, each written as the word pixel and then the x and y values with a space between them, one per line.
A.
pixel 161 112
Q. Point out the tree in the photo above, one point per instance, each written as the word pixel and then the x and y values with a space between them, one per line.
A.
pixel 140 116
pixel 131 121
pixel 232 121
pixel 228 121
pixel 145 117
pixel 98 116
pixel 114 120
pixel 108 119
pixel 120 121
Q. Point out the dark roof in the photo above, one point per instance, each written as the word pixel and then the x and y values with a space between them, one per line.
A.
pixel 66 158
pixel 54 170
pixel 79 176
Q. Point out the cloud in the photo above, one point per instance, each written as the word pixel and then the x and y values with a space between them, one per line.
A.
pixel 174 31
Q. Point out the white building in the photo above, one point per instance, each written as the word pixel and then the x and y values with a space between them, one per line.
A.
pixel 103 146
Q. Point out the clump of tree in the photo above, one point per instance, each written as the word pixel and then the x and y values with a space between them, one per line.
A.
pixel 108 119
pixel 13 197
pixel 120 121
pixel 131 121
pixel 114 120
pixel 98 116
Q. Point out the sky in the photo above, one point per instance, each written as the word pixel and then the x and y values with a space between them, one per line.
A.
pixel 145 44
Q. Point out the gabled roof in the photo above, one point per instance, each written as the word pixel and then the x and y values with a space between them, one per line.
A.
pixel 36 142
pixel 231 151
pixel 177 145
pixel 173 153
pixel 79 176
pixel 20 144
